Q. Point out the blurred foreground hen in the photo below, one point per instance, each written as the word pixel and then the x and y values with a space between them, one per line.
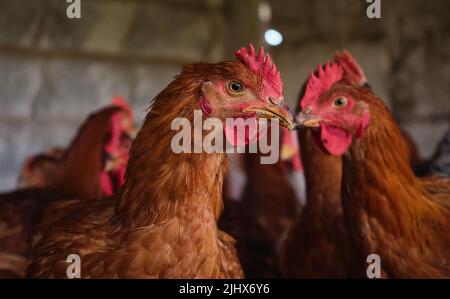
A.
pixel 164 221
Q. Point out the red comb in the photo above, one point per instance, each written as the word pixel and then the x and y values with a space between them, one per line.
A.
pixel 262 64
pixel 317 85
pixel 120 102
pixel 353 72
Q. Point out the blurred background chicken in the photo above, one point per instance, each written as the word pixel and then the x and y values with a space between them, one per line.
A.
pixel 260 203
pixel 80 171
pixel 439 163
pixel 40 170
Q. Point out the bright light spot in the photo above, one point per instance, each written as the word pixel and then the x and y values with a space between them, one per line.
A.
pixel 273 37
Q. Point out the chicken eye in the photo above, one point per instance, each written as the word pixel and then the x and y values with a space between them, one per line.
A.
pixel 340 102
pixel 235 87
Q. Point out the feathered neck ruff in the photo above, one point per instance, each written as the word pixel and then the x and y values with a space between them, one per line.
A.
pixel 159 182
pixel 378 181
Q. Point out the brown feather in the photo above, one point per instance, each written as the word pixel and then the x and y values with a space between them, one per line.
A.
pixel 23 215
pixel 164 224
pixel 316 245
pixel 259 219
pixel 389 211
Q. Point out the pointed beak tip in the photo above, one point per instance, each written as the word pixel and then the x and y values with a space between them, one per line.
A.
pixel 307 120
pixel 290 125
pixel 283 115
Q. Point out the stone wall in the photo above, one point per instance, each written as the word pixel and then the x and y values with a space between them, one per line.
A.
pixel 55 70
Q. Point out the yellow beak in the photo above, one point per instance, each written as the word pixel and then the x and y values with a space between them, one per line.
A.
pixel 272 111
pixel 308 120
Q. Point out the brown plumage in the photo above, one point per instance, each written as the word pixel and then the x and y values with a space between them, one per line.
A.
pixel 164 221
pixel 80 171
pixel 414 157
pixel 388 211
pixel 41 170
pixel 258 219
pixel 77 176
pixel 316 245
pixel 20 211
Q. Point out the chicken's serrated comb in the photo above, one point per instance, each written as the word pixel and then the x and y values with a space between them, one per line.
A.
pixel 353 72
pixel 262 64
pixel 320 83
pixel 120 102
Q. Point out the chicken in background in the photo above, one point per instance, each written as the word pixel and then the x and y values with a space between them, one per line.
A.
pixel 164 220
pixel 388 211
pixel 316 245
pixel 115 153
pixel 439 164
pixel 75 174
pixel 260 203
pixel 40 170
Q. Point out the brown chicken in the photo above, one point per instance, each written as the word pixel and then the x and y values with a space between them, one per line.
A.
pixel 316 245
pixel 41 170
pixel 164 222
pixel 389 212
pixel 106 134
pixel 77 174
pixel 261 214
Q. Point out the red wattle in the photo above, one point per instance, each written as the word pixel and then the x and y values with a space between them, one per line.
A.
pixel 241 137
pixel 106 184
pixel 333 140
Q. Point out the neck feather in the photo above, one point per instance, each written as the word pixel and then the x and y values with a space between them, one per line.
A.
pixel 323 174
pixel 378 181
pixel 81 166
pixel 159 183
